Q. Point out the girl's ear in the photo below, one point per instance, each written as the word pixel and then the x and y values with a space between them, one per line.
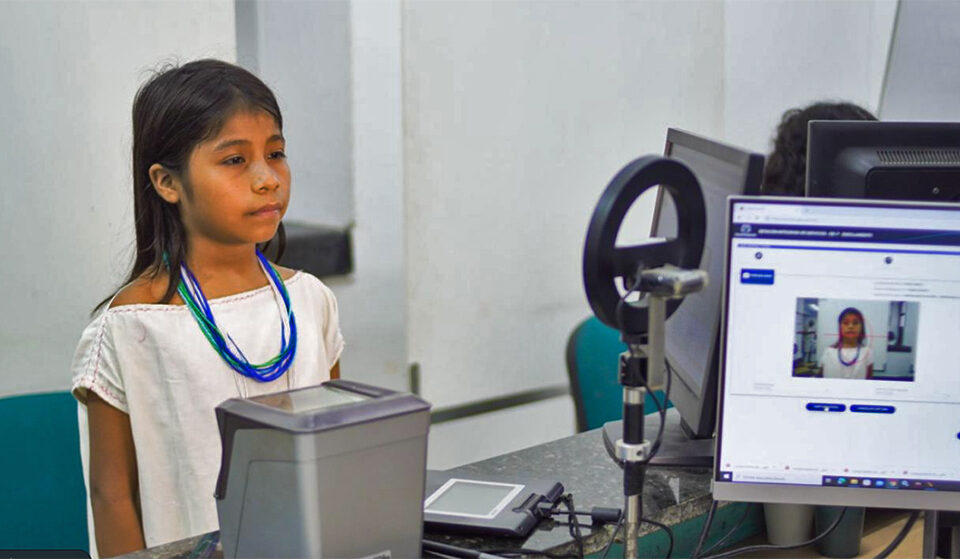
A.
pixel 166 184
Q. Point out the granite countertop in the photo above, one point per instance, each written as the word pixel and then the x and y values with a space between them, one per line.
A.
pixel 580 463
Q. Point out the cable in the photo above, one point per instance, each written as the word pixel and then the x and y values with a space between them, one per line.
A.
pixel 618 313
pixel 660 525
pixel 705 529
pixel 575 526
pixel 444 549
pixel 900 537
pixel 662 408
pixel 599 515
pixel 731 532
pixel 765 547
pixel 613 536
pixel 666 529
pixel 427 553
pixel 522 551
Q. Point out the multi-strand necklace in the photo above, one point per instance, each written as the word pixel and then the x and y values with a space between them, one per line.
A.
pixel 840 356
pixel 272 369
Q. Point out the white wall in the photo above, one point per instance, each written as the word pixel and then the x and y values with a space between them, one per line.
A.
pixel 785 53
pixel 923 77
pixel 479 437
pixel 301 49
pixel 70 71
pixel 517 114
pixel 373 299
pixel 481 135
pixel 335 67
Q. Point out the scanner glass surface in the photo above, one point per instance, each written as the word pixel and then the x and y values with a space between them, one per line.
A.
pixel 310 399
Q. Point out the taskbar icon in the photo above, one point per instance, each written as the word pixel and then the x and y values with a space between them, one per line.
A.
pixel 890 483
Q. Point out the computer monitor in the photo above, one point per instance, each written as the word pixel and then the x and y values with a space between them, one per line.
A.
pixel 693 330
pixel 884 160
pixel 859 417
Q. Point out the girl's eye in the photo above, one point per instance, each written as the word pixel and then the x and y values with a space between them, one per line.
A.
pixel 235 160
pixel 279 154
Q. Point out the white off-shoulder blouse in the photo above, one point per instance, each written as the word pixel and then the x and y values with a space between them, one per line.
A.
pixel 154 363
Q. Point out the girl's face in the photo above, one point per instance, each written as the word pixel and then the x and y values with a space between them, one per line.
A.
pixel 851 327
pixel 238 182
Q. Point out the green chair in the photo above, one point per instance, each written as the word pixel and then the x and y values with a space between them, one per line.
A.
pixel 43 503
pixel 593 355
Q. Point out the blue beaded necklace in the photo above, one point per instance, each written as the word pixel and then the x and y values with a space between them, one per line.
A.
pixel 840 356
pixel 193 296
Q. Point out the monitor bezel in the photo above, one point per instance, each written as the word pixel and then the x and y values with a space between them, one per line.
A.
pixel 812 494
pixel 698 411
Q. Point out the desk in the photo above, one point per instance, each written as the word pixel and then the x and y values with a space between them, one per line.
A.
pixel 582 465
pixel 674 497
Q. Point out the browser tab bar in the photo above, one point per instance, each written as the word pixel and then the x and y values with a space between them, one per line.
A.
pixel 759 213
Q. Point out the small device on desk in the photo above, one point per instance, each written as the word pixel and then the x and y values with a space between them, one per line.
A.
pixel 334 470
pixel 509 507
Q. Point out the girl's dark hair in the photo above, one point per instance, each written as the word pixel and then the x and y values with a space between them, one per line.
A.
pixel 785 173
pixel 176 109
pixel 863 325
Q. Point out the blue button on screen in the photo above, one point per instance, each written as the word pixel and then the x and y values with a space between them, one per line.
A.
pixel 872 409
pixel 761 277
pixel 818 406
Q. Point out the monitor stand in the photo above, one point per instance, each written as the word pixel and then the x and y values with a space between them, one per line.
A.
pixel 941 534
pixel 677 450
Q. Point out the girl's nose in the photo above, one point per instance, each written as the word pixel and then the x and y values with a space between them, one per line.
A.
pixel 265 179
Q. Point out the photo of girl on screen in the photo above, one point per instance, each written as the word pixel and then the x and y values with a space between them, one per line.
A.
pixel 855 339
pixel 849 356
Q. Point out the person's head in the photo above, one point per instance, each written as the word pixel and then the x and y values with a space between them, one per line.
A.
pixel 785 173
pixel 207 154
pixel 850 328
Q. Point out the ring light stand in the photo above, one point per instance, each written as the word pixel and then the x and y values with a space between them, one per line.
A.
pixel 666 271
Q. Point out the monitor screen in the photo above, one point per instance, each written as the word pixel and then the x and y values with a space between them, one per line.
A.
pixel 477 499
pixel 838 379
pixel 884 160
pixel 692 331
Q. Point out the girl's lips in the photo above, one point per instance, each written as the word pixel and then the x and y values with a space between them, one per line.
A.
pixel 268 210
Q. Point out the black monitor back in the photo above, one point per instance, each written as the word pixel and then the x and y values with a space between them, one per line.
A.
pixel 884 160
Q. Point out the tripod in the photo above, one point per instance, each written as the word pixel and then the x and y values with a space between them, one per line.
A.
pixel 641 368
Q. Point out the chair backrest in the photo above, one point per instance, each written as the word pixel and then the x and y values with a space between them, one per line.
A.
pixel 593 356
pixel 42 495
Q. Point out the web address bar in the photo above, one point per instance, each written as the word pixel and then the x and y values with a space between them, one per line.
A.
pixel 871 222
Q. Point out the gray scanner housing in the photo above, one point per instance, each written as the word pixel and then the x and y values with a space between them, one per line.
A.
pixel 343 480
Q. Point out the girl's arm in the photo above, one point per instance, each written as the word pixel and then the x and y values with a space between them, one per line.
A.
pixel 335 371
pixel 114 494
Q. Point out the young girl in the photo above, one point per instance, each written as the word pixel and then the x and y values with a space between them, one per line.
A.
pixel 849 357
pixel 203 316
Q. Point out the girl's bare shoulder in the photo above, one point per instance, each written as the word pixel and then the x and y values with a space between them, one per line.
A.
pixel 150 289
pixel 145 290
pixel 285 273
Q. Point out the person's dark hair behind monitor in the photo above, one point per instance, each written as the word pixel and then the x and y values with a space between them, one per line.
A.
pixel 786 168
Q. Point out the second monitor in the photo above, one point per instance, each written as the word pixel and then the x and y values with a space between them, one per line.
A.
pixel 692 331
